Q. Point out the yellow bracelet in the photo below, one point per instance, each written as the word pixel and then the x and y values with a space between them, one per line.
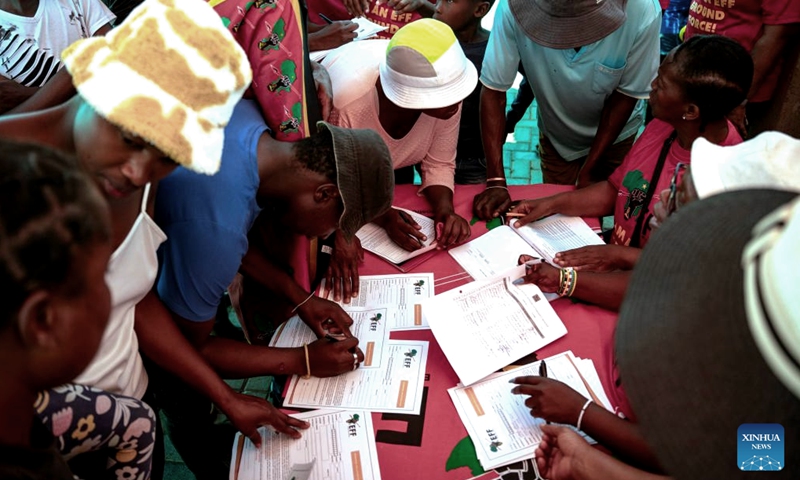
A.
pixel 574 283
pixel 308 363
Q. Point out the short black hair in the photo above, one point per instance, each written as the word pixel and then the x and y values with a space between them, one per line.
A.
pixel 716 72
pixel 49 210
pixel 316 153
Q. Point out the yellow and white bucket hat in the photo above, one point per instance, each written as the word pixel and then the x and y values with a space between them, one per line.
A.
pixel 170 73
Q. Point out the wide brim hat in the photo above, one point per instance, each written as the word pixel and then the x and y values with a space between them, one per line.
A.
pixel 563 24
pixel 425 67
pixel 769 160
pixel 170 73
pixel 687 356
pixel 364 175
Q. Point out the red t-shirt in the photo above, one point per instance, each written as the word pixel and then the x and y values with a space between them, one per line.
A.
pixel 632 178
pixel 381 14
pixel 743 21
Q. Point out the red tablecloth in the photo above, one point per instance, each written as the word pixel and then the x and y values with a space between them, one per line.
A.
pixel 411 447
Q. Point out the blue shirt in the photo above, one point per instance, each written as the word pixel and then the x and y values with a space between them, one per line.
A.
pixel 206 219
pixel 571 87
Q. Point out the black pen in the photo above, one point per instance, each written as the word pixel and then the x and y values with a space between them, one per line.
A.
pixel 406 218
pixel 543 374
pixel 327 20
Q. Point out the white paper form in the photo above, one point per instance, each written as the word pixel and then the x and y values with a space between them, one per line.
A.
pixel 402 294
pixel 493 253
pixel 484 326
pixel 394 387
pixel 558 233
pixel 375 239
pixel 366 29
pixel 369 327
pixel 499 423
pixel 339 445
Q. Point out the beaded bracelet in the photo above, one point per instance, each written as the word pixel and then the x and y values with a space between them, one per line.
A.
pixel 308 363
pixel 574 283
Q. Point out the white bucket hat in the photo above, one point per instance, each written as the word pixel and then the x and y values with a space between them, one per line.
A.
pixel 426 68
pixel 770 160
pixel 170 73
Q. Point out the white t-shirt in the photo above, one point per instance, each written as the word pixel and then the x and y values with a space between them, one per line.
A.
pixel 30 47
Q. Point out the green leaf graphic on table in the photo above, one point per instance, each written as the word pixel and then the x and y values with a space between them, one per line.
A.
pixel 493 223
pixel 463 455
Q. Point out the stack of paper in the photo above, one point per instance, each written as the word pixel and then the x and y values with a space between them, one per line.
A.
pixel 497 251
pixel 339 445
pixel 401 295
pixel 392 382
pixel 375 239
pixel 366 29
pixel 484 326
pixel 499 423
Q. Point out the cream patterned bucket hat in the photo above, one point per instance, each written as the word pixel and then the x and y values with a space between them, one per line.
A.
pixel 170 73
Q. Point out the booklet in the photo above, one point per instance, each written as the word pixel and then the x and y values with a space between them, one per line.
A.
pixel 376 240
pixel 486 325
pixel 339 445
pixel 366 29
pixel 500 424
pixel 498 250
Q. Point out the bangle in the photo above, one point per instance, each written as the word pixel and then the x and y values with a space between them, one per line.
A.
pixel 308 367
pixel 574 283
pixel 497 186
pixel 496 179
pixel 304 301
pixel 566 282
pixel 580 417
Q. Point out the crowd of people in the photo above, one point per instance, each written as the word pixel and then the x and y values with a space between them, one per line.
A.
pixel 161 160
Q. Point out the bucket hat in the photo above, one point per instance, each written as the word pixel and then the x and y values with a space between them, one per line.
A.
pixel 563 24
pixel 693 368
pixel 426 68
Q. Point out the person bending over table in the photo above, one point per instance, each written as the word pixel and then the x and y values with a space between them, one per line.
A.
pixel 408 89
pixel 127 139
pixel 310 187
pixel 698 83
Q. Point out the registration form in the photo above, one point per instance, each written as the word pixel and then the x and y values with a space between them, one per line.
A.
pixel 484 326
pixel 401 294
pixel 339 445
pixel 499 423
pixel 394 387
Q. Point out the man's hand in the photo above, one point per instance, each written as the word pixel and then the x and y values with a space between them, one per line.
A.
pixel 532 210
pixel 491 203
pixel 550 399
pixel 342 275
pixel 356 8
pixel 332 35
pixel 324 316
pixel 402 229
pixel 248 413
pixel 329 359
pixel 559 452
pixel 324 89
pixel 451 229
pixel 544 276
pixel 598 258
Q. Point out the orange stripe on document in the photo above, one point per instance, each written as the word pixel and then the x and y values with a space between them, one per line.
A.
pixel 473 399
pixel 355 457
pixel 369 354
pixel 401 397
pixel 418 314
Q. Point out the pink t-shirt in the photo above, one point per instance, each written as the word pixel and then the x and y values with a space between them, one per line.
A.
pixel 381 14
pixel 743 21
pixel 632 178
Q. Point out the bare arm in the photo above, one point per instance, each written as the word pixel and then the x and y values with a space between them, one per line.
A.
pixel 616 112
pixel 13 94
pixel 596 200
pixel 768 49
pixel 495 199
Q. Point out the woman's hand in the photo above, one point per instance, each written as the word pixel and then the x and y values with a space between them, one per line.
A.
pixel 328 359
pixel 532 210
pixel 342 276
pixel 332 35
pixel 324 316
pixel 560 452
pixel 598 258
pixel 550 399
pixel 451 229
pixel 248 413
pixel 544 276
pixel 402 229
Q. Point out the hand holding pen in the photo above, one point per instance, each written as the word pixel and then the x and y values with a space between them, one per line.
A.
pixel 543 275
pixel 549 399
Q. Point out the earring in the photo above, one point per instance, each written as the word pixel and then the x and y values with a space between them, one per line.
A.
pixel 684 117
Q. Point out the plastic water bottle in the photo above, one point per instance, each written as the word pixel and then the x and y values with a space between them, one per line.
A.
pixel 672 21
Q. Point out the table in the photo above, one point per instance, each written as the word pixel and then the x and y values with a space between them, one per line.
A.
pixel 418 447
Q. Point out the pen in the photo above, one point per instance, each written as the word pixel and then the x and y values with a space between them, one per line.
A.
pixel 543 373
pixel 407 219
pixel 327 20
pixel 514 215
pixel 333 338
